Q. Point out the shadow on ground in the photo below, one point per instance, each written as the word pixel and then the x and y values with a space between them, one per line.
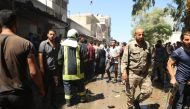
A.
pixel 164 87
pixel 91 97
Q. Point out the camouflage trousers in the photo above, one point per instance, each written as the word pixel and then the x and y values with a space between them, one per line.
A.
pixel 144 84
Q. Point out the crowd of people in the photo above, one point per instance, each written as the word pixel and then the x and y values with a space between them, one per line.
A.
pixel 73 62
pixel 160 54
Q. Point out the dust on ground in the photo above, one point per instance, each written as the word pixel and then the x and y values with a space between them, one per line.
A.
pixel 103 95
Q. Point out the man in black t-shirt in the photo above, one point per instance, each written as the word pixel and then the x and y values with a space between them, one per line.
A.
pixel 17 54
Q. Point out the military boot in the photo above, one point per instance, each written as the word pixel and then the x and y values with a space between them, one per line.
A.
pixel 83 99
pixel 68 103
pixel 136 104
pixel 130 107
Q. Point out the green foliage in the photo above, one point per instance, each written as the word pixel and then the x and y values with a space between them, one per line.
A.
pixel 141 6
pixel 180 12
pixel 154 25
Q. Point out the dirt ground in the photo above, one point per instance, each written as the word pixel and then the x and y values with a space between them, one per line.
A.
pixel 103 95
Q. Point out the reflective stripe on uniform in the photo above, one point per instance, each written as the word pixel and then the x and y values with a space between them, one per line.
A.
pixel 66 60
pixel 73 77
pixel 66 75
pixel 82 93
pixel 78 60
pixel 68 97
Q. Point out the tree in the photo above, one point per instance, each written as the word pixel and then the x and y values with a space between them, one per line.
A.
pixel 155 25
pixel 141 6
pixel 181 13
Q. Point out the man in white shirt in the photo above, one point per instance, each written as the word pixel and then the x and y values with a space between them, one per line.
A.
pixel 113 55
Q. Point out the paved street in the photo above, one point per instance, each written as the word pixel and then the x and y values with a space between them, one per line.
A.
pixel 104 95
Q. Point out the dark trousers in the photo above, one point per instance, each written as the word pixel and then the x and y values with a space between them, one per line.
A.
pixel 114 67
pixel 89 70
pixel 73 88
pixel 182 97
pixel 16 100
pixel 49 86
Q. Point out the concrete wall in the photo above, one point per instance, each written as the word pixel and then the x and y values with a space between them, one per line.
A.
pixel 175 37
pixel 105 22
pixel 87 20
pixel 57 8
pixel 80 28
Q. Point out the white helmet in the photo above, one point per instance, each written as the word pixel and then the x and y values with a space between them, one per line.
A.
pixel 72 33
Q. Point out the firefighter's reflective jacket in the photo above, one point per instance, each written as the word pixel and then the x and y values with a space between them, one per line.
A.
pixel 72 61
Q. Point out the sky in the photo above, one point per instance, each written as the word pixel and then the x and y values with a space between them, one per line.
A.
pixel 118 10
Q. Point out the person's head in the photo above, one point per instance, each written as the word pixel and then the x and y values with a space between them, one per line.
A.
pixel 117 44
pixel 94 43
pixel 169 43
pixel 98 44
pixel 91 42
pixel 101 46
pixel 178 43
pixel 124 44
pixel 85 41
pixel 139 35
pixel 113 43
pixel 158 44
pixel 73 34
pixel 8 20
pixel 185 38
pixel 105 45
pixel 81 38
pixel 174 44
pixel 51 34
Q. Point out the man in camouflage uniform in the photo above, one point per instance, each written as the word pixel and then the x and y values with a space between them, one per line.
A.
pixel 135 64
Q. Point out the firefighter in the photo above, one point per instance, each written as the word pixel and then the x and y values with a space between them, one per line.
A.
pixel 71 57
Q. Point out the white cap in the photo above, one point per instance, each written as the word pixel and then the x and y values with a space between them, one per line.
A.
pixel 72 33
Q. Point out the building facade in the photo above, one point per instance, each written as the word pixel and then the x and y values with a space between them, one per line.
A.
pixel 176 31
pixel 37 16
pixel 81 30
pixel 105 24
pixel 99 26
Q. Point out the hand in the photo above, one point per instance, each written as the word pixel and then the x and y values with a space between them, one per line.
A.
pixel 56 80
pixel 124 76
pixel 42 72
pixel 188 82
pixel 173 82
